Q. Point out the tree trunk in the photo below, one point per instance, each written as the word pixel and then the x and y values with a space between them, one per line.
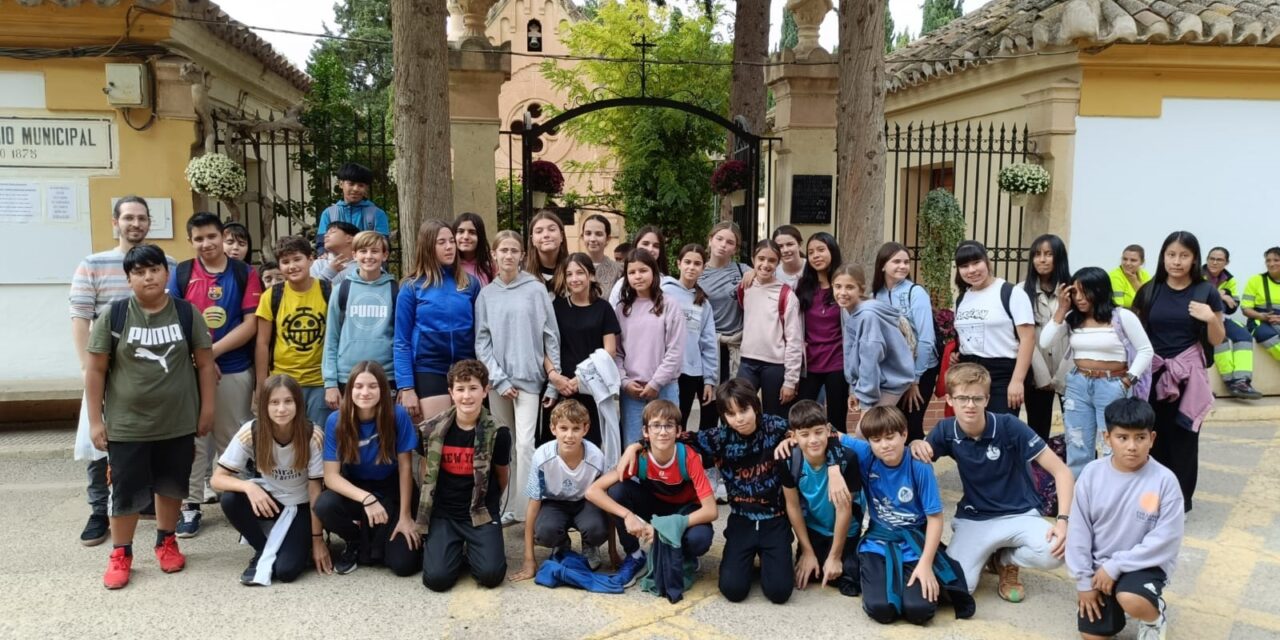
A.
pixel 747 94
pixel 420 51
pixel 860 131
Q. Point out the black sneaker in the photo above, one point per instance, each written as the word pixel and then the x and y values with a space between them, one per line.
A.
pixel 1243 390
pixel 348 560
pixel 246 578
pixel 95 531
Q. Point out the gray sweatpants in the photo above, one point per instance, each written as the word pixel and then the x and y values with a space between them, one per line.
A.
pixel 1020 539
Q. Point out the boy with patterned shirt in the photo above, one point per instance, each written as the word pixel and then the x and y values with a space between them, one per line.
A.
pixel 225 291
pixel 155 402
pixel 1125 530
pixel 464 474
pixel 291 327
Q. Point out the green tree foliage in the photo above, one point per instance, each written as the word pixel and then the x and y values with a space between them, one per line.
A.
pixel 940 12
pixel 941 229
pixel 889 39
pixel 367 65
pixel 662 156
pixel 790 33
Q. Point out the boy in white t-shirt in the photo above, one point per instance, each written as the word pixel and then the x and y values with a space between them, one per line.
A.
pixel 561 473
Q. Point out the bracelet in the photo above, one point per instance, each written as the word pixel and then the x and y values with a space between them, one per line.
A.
pixel 366 503
pixel 1064 517
pixel 317 535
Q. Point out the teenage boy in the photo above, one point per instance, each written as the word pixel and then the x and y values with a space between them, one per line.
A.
pixel 904 567
pixel 271 275
pixel 236 242
pixel 225 291
pixel 1125 529
pixel 291 326
pixel 362 316
pixel 998 517
pixel 140 368
pixel 464 474
pixel 826 531
pixel 98 281
pixel 669 480
pixel 338 261
pixel 561 473
pixel 354 207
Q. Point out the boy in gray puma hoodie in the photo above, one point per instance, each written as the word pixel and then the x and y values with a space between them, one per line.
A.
pixel 361 322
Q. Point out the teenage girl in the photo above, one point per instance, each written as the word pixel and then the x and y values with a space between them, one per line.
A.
pixel 700 371
pixel 1110 352
pixel 518 341
pixel 649 238
pixel 720 282
pixel 587 322
pixel 879 364
pixel 473 247
pixel 789 242
pixel 435 322
pixel 996 334
pixel 548 249
pixel 1049 272
pixel 370 499
pixel 892 283
pixel 772 335
pixel 284 449
pixel 652 346
pixel 594 237
pixel 823 333
pixel 1183 317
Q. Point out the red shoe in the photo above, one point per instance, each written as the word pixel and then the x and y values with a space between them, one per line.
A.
pixel 171 560
pixel 118 568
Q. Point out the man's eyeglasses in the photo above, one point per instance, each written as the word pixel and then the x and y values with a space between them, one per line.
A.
pixel 973 400
pixel 663 426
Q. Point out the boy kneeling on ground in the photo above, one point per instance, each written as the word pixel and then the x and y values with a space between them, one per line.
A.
pixel 1125 529
pixel 562 473
pixel 466 454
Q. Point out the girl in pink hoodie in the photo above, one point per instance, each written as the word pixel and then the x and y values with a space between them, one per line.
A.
pixel 773 335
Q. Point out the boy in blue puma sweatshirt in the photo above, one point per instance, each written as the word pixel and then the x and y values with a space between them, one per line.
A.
pixel 361 323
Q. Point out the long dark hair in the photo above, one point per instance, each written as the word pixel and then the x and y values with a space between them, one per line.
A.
pixel 807 287
pixel 662 245
pixel 699 296
pixel 484 258
pixel 1061 273
pixel 886 253
pixel 629 294
pixel 348 428
pixel 533 262
pixel 582 260
pixel 967 252
pixel 1142 301
pixel 1095 286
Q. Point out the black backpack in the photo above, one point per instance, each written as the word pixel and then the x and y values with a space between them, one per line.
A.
pixel 1006 294
pixel 120 312
pixel 239 270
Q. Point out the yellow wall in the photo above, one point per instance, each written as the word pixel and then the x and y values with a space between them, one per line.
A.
pixel 1133 80
pixel 150 163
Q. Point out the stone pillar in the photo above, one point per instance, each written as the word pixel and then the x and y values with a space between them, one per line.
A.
pixel 804 114
pixel 457 28
pixel 476 77
pixel 1051 123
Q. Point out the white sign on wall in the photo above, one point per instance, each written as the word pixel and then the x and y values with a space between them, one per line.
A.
pixel 59 143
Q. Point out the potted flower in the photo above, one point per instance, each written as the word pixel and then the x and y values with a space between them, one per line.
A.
pixel 731 180
pixel 1022 181
pixel 545 179
pixel 217 176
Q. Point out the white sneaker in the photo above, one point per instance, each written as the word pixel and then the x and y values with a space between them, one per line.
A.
pixel 594 557
pixel 1154 630
pixel 509 518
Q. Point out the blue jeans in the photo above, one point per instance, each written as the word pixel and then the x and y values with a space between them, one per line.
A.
pixel 317 411
pixel 632 410
pixel 1082 415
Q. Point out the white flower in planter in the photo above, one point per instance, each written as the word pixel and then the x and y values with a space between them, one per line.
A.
pixel 1022 178
pixel 217 176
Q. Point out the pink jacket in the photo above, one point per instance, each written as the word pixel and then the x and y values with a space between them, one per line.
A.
pixel 1185 381
pixel 768 339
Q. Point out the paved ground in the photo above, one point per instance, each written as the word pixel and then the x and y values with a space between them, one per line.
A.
pixel 1226 585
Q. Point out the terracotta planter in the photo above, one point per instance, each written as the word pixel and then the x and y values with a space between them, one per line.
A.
pixel 1020 199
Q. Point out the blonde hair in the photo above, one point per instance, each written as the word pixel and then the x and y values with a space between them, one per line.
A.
pixel 367 239
pixel 508 234
pixel 425 263
pixel 967 374
pixel 854 271
pixel 570 411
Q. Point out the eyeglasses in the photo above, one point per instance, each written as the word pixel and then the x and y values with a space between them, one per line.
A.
pixel 973 400
pixel 663 426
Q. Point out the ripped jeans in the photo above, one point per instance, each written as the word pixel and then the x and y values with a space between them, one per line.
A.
pixel 1082 415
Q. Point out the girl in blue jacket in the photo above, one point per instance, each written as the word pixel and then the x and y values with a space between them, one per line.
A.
pixel 435 322
pixel 878 361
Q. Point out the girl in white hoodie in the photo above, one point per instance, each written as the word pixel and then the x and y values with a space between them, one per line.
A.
pixel 772 333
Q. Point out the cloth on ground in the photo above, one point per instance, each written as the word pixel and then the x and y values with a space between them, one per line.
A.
pixel 571 569
pixel 670 574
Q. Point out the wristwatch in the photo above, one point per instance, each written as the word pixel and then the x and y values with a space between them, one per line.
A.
pixel 1129 380
pixel 1064 517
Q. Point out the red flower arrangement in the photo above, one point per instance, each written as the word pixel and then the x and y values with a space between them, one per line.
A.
pixel 730 176
pixel 546 177
pixel 944 322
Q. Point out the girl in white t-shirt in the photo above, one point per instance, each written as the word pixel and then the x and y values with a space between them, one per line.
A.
pixel 995 326
pixel 282 453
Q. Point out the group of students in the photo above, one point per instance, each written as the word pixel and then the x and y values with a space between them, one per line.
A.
pixel 496 349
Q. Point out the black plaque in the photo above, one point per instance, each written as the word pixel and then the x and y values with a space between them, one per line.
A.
pixel 810 199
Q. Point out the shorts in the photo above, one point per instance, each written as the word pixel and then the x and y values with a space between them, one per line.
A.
pixel 1148 583
pixel 139 469
pixel 427 385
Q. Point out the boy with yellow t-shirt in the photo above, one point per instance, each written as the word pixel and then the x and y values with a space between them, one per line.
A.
pixel 291 323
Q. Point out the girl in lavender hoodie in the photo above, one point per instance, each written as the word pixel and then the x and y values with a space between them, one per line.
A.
pixel 651 350
pixel 878 361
